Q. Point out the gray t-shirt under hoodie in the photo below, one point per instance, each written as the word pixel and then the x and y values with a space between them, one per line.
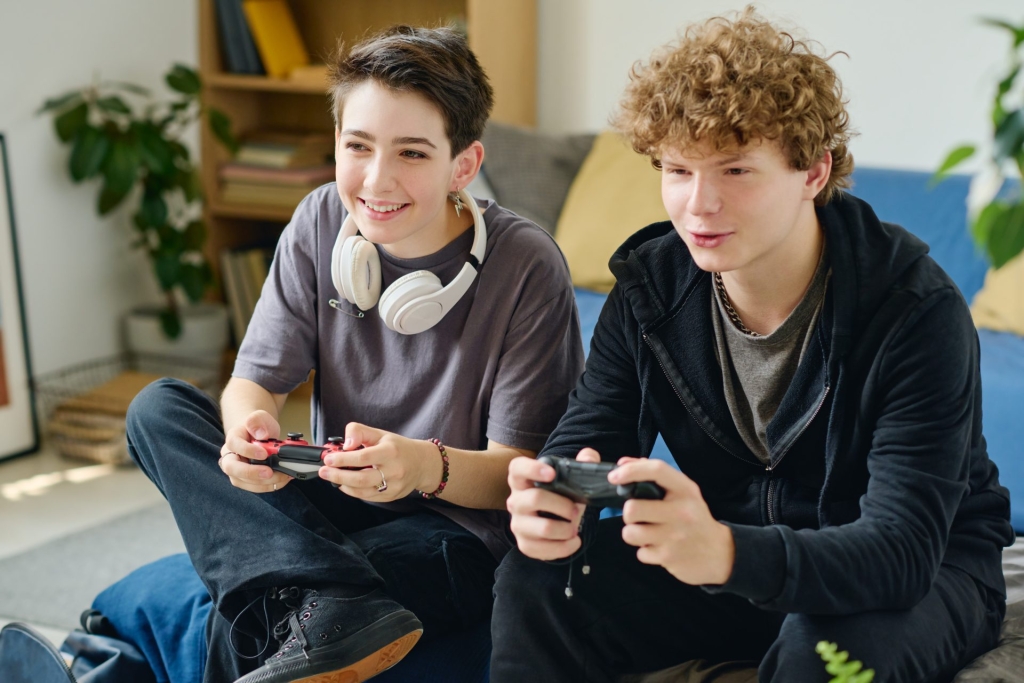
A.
pixel 757 371
pixel 500 365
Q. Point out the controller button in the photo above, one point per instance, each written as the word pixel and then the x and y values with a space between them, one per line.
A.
pixel 336 439
pixel 294 435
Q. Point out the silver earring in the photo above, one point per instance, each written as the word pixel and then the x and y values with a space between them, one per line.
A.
pixel 457 201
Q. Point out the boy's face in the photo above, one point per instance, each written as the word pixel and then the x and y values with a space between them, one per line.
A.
pixel 747 209
pixel 395 169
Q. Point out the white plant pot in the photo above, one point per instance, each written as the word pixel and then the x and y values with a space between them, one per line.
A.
pixel 204 332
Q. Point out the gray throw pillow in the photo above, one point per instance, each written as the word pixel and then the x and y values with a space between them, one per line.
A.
pixel 531 172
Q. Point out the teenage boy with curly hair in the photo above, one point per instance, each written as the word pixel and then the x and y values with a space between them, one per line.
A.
pixel 814 374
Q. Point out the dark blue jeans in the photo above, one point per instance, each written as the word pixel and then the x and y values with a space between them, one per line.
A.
pixel 626 617
pixel 306 534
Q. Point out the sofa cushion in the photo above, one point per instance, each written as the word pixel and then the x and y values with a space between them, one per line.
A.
pixel 616 193
pixel 999 305
pixel 531 172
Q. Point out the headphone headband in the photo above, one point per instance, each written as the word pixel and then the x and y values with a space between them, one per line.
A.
pixel 414 302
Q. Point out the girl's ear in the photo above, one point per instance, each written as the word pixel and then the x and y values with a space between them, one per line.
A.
pixel 467 165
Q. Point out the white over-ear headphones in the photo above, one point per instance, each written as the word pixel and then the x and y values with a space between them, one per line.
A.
pixel 414 302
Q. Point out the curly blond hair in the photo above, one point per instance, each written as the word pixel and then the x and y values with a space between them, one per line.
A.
pixel 727 83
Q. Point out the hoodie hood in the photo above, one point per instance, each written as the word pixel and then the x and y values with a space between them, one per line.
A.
pixel 656 273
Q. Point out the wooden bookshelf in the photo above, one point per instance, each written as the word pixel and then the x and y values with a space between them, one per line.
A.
pixel 502 33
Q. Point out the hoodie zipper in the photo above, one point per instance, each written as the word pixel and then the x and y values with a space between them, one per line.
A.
pixel 686 407
pixel 771 468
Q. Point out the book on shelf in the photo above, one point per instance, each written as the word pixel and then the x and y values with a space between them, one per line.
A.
pixel 276 35
pixel 243 272
pixel 237 46
pixel 265 194
pixel 247 173
pixel 279 149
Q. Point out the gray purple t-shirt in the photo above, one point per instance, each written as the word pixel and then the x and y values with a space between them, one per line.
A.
pixel 500 365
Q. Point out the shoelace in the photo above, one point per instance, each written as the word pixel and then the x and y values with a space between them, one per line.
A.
pixel 288 596
pixel 290 623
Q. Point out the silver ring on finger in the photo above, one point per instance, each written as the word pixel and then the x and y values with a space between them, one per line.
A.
pixel 383 482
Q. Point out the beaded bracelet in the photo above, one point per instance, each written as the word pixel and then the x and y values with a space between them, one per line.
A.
pixel 444 473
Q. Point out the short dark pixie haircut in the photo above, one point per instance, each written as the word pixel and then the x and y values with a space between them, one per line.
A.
pixel 433 62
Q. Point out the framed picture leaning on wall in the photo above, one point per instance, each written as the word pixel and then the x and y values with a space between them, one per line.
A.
pixel 19 431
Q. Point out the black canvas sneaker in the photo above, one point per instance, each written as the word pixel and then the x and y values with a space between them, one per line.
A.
pixel 329 639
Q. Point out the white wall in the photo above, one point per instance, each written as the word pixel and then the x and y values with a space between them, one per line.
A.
pixel 79 273
pixel 919 75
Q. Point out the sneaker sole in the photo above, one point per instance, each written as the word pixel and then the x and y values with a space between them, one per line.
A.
pixel 368 667
pixel 403 628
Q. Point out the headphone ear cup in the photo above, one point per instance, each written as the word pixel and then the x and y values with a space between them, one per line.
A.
pixel 360 272
pixel 403 308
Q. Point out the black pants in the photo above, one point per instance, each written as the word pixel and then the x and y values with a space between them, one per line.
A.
pixel 305 534
pixel 627 617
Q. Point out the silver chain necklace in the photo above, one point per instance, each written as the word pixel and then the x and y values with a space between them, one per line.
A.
pixel 733 315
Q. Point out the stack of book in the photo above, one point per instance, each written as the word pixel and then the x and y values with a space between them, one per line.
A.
pixel 243 272
pixel 278 169
pixel 91 425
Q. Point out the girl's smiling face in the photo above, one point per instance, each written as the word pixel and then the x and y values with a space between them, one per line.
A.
pixel 395 170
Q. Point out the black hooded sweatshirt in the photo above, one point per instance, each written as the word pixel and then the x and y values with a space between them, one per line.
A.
pixel 878 468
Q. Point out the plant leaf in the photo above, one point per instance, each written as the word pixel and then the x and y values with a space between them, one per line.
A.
pixel 168 269
pixel 194 236
pixel 220 124
pixel 88 153
pixel 153 210
pixel 193 281
pixel 68 123
pixel 122 165
pixel 982 227
pixel 189 183
pixel 1009 136
pixel 170 321
pixel 1007 83
pixel 170 240
pixel 120 171
pixel 113 104
pixel 1000 23
pixel 179 149
pixel 64 100
pixel 154 149
pixel 110 198
pixel 1006 235
pixel 183 79
pixel 954 158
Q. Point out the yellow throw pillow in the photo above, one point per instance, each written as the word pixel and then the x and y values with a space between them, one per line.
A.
pixel 1000 303
pixel 615 193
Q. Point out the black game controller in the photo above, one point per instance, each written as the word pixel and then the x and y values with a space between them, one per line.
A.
pixel 587 482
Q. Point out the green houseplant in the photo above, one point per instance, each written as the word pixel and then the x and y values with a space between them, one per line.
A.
pixel 997 222
pixel 121 135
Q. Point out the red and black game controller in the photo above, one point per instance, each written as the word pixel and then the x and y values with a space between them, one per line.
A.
pixel 295 457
